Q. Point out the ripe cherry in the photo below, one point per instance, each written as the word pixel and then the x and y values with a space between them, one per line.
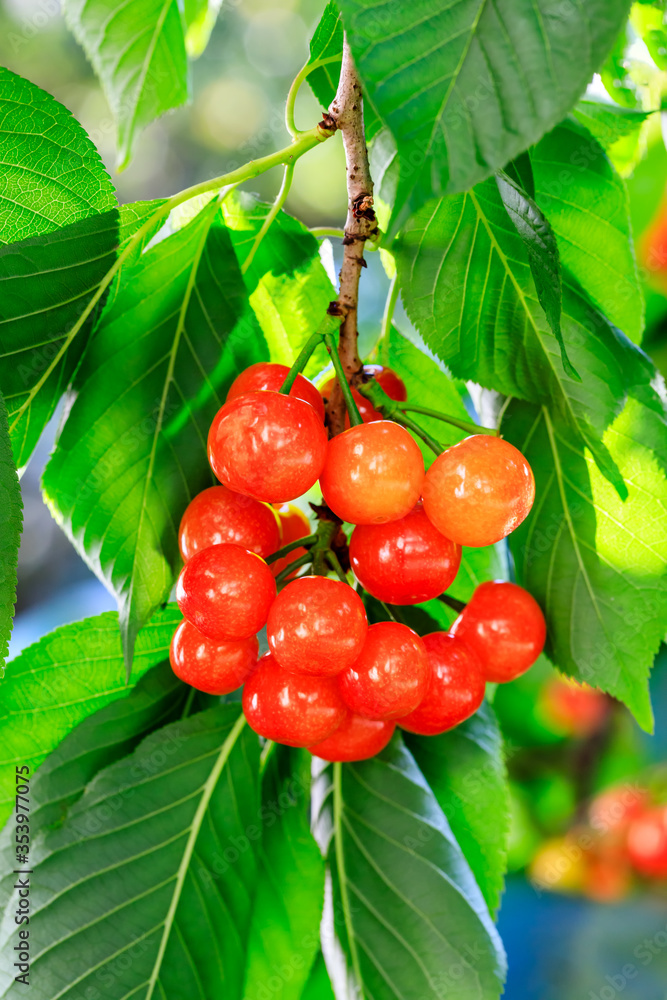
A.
pixel 505 626
pixel 479 490
pixel 455 687
pixel 373 473
pixel 355 739
pixel 573 709
pixel 390 677
pixel 269 446
pixel 647 843
pixel 317 626
pixel 216 668
pixel 294 524
pixel 217 516
pixel 295 709
pixel 406 561
pixel 267 375
pixel 226 592
pixel 386 378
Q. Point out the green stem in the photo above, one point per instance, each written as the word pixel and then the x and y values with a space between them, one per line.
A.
pixel 324 232
pixel 434 445
pixel 390 409
pixel 290 103
pixel 326 532
pixel 464 425
pixel 302 359
pixel 286 549
pixel 297 564
pixel 281 197
pixel 334 562
pixel 389 612
pixel 389 307
pixel 352 409
pixel 452 602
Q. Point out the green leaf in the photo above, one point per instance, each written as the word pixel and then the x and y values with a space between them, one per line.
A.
pixel 587 205
pixel 133 451
pixel 318 986
pixel 11 525
pixel 288 285
pixel 132 218
pixel 596 565
pixel 49 286
pixel 284 934
pixel 138 52
pixel 609 122
pixel 200 18
pixel 466 773
pixel 408 910
pixel 52 174
pixel 326 43
pixel 467 286
pixel 137 891
pixel 465 87
pixel 47 689
pixel 542 251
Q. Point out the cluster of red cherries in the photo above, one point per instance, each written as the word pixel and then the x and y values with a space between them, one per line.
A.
pixel 330 681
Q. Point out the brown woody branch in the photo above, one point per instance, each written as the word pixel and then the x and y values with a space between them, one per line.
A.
pixel 346 110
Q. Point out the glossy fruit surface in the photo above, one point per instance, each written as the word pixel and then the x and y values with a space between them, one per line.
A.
pixel 505 626
pixel 268 446
pixel 355 739
pixel 317 626
pixel 390 677
pixel 405 561
pixel 293 524
pixel 226 592
pixel 295 709
pixel 647 843
pixel 479 490
pixel 455 688
pixel 373 473
pixel 386 378
pixel 216 668
pixel 217 516
pixel 265 375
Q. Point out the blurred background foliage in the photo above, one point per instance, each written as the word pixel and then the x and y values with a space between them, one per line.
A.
pixel 578 920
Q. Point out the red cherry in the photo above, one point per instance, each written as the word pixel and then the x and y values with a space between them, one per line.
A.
pixel 573 709
pixel 291 708
pixel 268 446
pixel 216 668
pixel 505 626
pixel 217 516
pixel 479 490
pixel 647 843
pixel 355 739
pixel 390 677
pixel 406 561
pixel 266 375
pixel 317 626
pixel 373 473
pixel 226 592
pixel 455 688
pixel 385 377
pixel 294 524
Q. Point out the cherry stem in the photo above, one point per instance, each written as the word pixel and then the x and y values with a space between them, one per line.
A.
pixel 279 553
pixel 464 425
pixel 452 602
pixel 326 532
pixel 352 409
pixel 336 566
pixel 418 431
pixel 302 360
pixel 297 564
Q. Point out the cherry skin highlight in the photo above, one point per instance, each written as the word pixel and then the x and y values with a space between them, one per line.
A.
pixel 216 668
pixel 295 709
pixel 479 490
pixel 355 739
pixel 406 561
pixel 226 592
pixel 505 626
pixel 293 524
pixel 373 473
pixel 455 687
pixel 217 516
pixel 317 626
pixel 390 677
pixel 647 843
pixel 386 378
pixel 265 375
pixel 267 446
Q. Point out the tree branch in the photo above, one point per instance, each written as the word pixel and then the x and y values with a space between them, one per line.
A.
pixel 346 111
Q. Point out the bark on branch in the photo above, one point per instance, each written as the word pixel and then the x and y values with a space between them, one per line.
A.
pixel 346 110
